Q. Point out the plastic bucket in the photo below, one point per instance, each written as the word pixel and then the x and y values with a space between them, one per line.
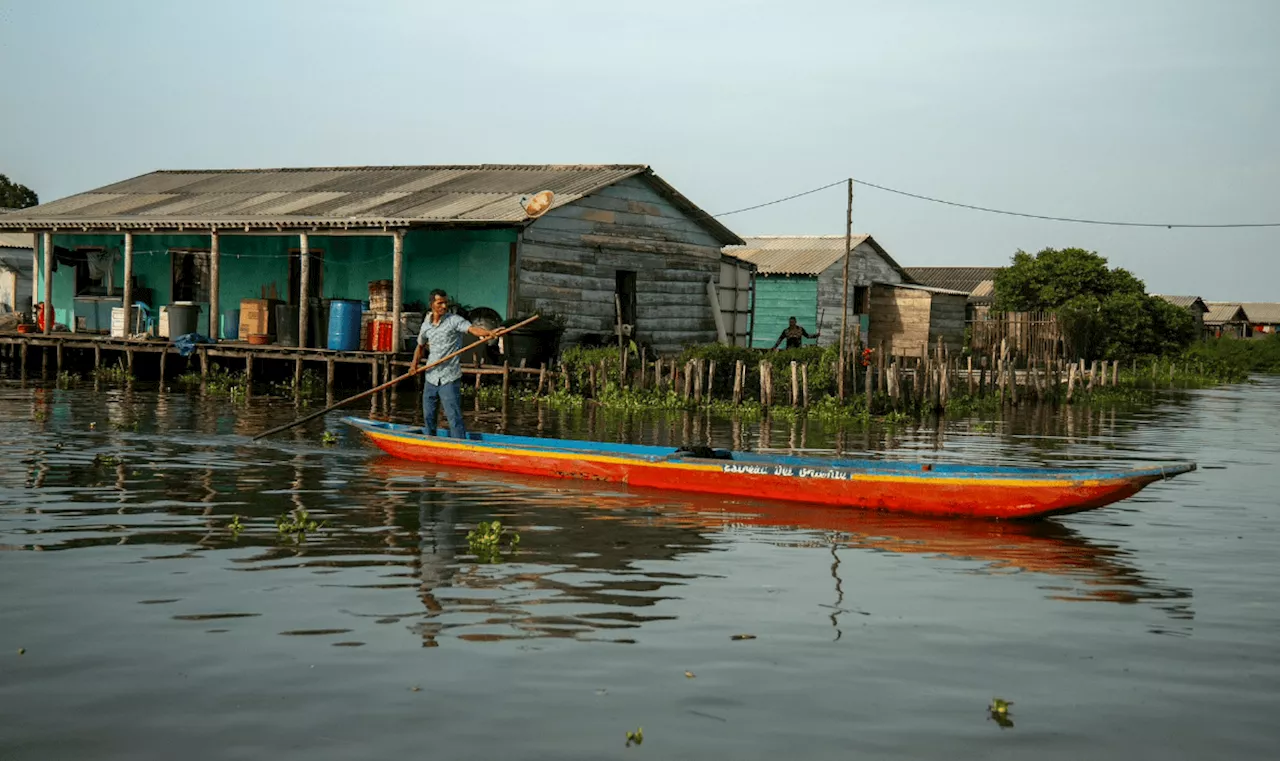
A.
pixel 344 325
pixel 231 324
pixel 184 318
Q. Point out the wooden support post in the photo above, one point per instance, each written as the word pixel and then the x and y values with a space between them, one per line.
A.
pixel 97 356
pixel 711 379
pixel 215 285
pixel 304 288
pixel 397 288
pixel 969 375
pixel 35 267
pixel 22 361
pixel 868 387
pixel 127 298
pixel 48 285
pixel 128 353
pixel 59 370
pixel 804 384
pixel 542 379
pixel 297 376
pixel 506 379
pixel 688 379
pixel 248 370
pixel 164 353
pixel 795 383
pixel 1115 372
pixel 204 365
pixel 764 399
pixel 1071 382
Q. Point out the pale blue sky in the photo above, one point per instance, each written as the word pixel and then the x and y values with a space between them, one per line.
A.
pixel 1146 110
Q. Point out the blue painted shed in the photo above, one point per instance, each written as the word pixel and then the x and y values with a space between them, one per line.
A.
pixel 802 276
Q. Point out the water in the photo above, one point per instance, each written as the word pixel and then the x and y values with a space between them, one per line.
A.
pixel 1147 629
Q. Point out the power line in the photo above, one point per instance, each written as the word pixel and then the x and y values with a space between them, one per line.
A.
pixel 990 210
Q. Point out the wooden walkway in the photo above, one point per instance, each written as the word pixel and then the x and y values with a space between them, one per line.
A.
pixel 271 360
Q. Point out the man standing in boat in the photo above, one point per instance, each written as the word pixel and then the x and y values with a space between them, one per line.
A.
pixel 442 332
pixel 792 334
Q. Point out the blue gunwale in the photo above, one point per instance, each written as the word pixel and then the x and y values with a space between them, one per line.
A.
pixel 654 454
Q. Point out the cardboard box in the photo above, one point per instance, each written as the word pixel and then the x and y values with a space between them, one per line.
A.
pixel 257 317
pixel 117 322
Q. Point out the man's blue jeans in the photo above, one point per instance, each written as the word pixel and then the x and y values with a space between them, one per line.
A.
pixel 450 397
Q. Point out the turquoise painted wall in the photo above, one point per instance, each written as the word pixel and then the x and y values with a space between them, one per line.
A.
pixel 471 265
pixel 779 298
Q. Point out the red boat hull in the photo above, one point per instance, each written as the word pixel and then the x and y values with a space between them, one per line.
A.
pixel 921 493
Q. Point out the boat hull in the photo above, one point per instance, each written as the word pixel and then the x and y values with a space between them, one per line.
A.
pixel 944 491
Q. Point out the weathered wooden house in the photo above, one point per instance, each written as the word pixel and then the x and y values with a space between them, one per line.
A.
pixel 1226 320
pixel 1194 305
pixel 1263 316
pixel 909 320
pixel 802 276
pixel 978 282
pixel 612 236
pixel 15 272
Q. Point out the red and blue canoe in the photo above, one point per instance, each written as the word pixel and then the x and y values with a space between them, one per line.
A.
pixel 921 489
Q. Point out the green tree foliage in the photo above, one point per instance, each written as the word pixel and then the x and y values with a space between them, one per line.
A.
pixel 15 196
pixel 1104 313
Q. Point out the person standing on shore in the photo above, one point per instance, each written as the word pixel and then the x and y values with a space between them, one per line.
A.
pixel 442 385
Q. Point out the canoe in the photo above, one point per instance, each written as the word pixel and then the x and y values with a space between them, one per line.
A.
pixel 941 490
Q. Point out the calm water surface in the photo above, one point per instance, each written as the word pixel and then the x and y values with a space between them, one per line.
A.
pixel 1148 629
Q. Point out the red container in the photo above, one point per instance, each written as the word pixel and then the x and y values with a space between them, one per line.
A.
pixel 382 335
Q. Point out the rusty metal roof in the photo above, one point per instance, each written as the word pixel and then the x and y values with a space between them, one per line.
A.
pixel 800 254
pixel 338 197
pixel 1186 302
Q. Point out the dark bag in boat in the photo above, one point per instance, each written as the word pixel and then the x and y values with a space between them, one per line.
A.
pixel 706 452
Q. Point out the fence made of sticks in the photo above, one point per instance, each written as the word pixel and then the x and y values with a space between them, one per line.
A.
pixel 1034 335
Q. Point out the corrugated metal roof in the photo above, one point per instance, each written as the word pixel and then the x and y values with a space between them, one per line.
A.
pixel 984 292
pixel 927 288
pixel 1186 302
pixel 1220 312
pixel 800 254
pixel 399 196
pixel 1262 312
pixel 15 240
pixel 965 279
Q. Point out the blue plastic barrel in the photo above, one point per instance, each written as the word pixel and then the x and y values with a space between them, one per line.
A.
pixel 344 325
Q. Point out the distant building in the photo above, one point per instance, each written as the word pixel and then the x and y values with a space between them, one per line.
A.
pixel 978 282
pixel 1226 320
pixel 1263 316
pixel 802 276
pixel 15 272
pixel 1194 305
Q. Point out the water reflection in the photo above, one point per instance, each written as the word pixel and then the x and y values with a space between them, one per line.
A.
pixel 594 563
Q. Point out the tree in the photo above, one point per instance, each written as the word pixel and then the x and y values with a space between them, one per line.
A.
pixel 16 196
pixel 1103 312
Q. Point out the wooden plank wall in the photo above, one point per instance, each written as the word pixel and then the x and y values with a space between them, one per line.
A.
pixel 569 258
pixel 900 320
pixel 947 321
pixel 866 266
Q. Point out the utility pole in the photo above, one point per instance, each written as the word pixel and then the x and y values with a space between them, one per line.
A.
pixel 844 300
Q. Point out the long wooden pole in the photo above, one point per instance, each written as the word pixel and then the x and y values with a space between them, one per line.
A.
pixel 844 298
pixel 393 381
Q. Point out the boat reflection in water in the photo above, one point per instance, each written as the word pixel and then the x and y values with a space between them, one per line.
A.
pixel 603 532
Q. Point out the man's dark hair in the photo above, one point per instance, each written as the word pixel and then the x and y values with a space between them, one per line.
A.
pixel 437 292
pixel 792 318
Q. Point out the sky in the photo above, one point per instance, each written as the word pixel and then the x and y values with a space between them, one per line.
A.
pixel 1159 111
